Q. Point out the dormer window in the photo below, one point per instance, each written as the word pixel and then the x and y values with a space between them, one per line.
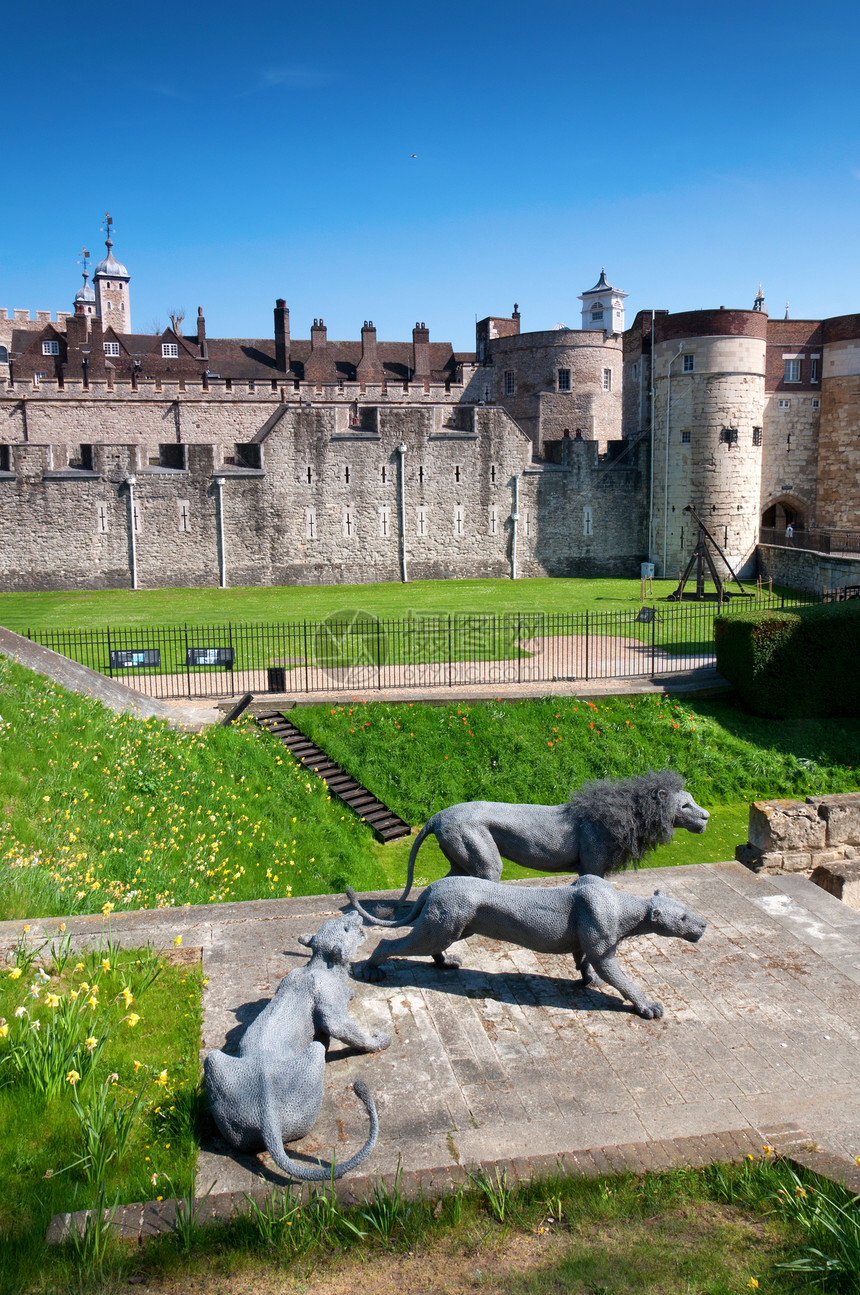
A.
pixel 50 348
pixel 170 350
pixel 112 348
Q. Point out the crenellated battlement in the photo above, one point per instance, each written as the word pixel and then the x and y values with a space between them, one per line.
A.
pixel 23 318
pixel 225 391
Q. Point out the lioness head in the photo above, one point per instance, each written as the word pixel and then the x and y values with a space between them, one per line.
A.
pixel 337 939
pixel 688 814
pixel 668 917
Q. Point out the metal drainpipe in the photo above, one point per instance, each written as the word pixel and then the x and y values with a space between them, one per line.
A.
pixel 666 477
pixel 222 559
pixel 515 517
pixel 131 482
pixel 651 486
pixel 401 451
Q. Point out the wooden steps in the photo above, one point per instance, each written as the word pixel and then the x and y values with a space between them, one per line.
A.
pixel 387 825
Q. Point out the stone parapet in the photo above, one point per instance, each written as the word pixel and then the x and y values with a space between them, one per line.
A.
pixel 811 837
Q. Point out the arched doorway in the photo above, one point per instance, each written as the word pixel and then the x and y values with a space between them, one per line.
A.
pixel 785 512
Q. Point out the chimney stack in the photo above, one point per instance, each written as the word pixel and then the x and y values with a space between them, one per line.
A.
pixel 201 334
pixel 316 367
pixel 369 369
pixel 421 353
pixel 282 335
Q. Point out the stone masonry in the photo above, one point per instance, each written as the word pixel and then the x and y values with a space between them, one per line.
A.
pixel 818 837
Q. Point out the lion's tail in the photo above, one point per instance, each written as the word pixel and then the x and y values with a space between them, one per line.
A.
pixel 427 830
pixel 406 920
pixel 319 1172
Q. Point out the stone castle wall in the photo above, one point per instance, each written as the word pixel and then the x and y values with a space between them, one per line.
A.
pixel 324 506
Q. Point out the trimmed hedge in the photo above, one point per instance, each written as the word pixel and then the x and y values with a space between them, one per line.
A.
pixel 792 664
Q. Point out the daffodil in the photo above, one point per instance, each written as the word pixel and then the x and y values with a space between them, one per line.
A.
pixel 162 1078
pixel 4 1030
pixel 52 1000
pixel 136 1065
pixel 105 964
pixel 15 973
pixel 107 908
pixel 92 1002
pixel 127 995
pixel 72 1077
pixel 132 1020
pixel 177 942
pixel 79 966
pixel 21 1011
pixel 91 1043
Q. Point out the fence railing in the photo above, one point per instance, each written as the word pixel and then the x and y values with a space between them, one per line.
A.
pixel 357 652
pixel 837 542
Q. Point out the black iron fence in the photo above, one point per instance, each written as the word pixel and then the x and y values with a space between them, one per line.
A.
pixel 837 542
pixel 357 652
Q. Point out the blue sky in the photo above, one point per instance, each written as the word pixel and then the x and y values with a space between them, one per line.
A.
pixel 692 149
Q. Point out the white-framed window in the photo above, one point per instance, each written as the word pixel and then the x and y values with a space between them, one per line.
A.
pixel 816 403
pixel 792 370
pixel 510 382
pixel 50 348
pixel 686 436
pixel 310 524
pixel 689 364
pixel 111 348
pixel 607 379
pixel 183 516
pixel 170 350
pixel 814 368
pixel 586 521
pixel 783 404
pixel 564 379
pixel 597 316
pixel 421 522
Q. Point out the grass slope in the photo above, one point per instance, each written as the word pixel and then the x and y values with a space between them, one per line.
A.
pixel 96 807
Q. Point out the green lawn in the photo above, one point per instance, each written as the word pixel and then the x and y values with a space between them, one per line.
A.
pixel 76 610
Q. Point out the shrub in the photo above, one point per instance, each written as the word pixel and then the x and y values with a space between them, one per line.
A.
pixel 791 664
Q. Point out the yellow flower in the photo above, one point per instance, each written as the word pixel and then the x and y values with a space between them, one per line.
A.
pixel 73 994
pixel 62 927
pixel 15 973
pixel 26 928
pixel 127 995
pixel 91 1043
pixel 136 1065
pixel 79 966
pixel 4 1029
pixel 177 942
pixel 162 1078
pixel 107 908
pixel 768 1151
pixel 51 1000
pixel 92 1002
pixel 84 986
pixel 752 1284
pixel 105 964
pixel 132 1020
pixel 72 1077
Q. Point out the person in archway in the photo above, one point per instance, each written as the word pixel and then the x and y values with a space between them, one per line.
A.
pixel 789 534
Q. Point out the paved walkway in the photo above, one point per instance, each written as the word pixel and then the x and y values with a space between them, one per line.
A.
pixel 507 1058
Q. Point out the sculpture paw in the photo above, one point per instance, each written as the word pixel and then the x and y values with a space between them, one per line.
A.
pixel 651 1010
pixel 447 961
pixel 370 973
pixel 380 1041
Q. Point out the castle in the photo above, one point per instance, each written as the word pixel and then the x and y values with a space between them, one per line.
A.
pixel 132 460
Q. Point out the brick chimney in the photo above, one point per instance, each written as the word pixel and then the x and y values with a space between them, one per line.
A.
pixel 96 367
pixel 316 366
pixel 369 369
pixel 421 353
pixel 201 335
pixel 282 335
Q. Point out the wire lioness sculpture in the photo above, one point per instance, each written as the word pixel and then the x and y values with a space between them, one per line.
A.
pixel 272 1092
pixel 587 919
pixel 605 825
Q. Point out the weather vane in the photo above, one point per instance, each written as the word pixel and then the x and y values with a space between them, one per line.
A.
pixel 107 227
pixel 84 259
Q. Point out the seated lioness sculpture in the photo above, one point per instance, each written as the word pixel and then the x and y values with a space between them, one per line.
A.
pixel 587 919
pixel 605 825
pixel 271 1093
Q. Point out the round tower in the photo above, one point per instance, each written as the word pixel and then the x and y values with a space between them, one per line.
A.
pixel 706 442
pixel 838 456
pixel 110 281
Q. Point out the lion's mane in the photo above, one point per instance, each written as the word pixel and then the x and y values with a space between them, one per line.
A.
pixel 632 812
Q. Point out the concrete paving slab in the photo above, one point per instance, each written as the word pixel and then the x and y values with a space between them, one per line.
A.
pixel 509 1058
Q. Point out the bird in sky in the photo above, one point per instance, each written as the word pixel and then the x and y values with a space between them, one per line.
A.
pixel 413 154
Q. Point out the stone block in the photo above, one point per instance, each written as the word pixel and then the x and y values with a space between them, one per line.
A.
pixel 841 880
pixel 780 825
pixel 749 856
pixel 797 860
pixel 841 815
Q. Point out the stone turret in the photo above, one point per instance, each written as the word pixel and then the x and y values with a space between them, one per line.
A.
pixel 111 280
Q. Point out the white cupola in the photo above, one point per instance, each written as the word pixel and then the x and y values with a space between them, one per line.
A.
pixel 603 307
